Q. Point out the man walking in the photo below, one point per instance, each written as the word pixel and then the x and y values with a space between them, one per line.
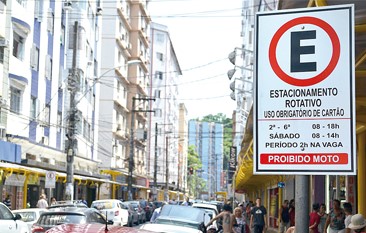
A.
pixel 258 217
pixel 228 219
pixel 284 217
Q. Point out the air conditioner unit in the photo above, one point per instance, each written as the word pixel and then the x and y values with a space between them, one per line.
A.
pixel 44 140
pixel 2 102
pixel 99 11
pixel 119 127
pixel 90 63
pixel 67 5
pixel 129 46
pixel 122 37
pixel 4 42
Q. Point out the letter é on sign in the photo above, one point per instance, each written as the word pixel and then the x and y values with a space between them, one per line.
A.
pixel 297 50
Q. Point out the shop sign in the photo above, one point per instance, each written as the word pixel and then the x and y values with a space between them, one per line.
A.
pixel 15 180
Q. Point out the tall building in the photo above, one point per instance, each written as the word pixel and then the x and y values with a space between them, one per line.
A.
pixel 163 158
pixel 37 61
pixel 124 94
pixel 207 138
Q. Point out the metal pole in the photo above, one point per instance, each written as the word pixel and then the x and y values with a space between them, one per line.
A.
pixel 302 203
pixel 72 87
pixel 156 162
pixel 131 161
pixel 167 165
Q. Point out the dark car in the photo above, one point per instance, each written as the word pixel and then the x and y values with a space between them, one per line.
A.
pixel 133 215
pixel 140 211
pixel 93 228
pixel 47 220
pixel 148 208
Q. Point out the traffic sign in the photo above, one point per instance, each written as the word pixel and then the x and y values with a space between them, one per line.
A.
pixel 304 101
pixel 50 179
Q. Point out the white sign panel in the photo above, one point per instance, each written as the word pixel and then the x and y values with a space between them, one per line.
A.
pixel 50 179
pixel 304 103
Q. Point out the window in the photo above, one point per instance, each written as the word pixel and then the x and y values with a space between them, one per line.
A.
pixel 48 67
pixel 15 99
pixel 5 213
pixel 2 55
pixel 33 110
pixel 18 46
pixel 50 20
pixel 34 57
pixel 160 56
pixel 159 75
pixel 157 112
pixel 47 110
pixel 59 121
pixel 157 93
pixel 160 37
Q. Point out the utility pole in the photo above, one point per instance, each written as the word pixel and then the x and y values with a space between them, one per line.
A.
pixel 167 165
pixel 131 164
pixel 156 162
pixel 72 87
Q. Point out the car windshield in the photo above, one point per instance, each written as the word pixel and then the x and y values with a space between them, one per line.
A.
pixel 102 205
pixel 27 216
pixel 182 212
pixel 60 218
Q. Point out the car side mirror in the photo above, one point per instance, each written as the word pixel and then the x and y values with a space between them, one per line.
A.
pixel 17 217
pixel 110 222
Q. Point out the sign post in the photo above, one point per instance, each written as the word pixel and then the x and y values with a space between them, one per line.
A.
pixel 304 102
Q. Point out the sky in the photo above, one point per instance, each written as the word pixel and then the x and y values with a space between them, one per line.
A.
pixel 203 33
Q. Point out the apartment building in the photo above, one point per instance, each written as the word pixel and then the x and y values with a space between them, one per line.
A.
pixel 163 147
pixel 124 94
pixel 37 59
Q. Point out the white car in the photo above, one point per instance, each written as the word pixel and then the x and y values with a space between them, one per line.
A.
pixel 179 219
pixel 11 223
pixel 112 209
pixel 208 207
pixel 30 216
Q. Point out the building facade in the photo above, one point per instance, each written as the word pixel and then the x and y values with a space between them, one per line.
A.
pixel 163 139
pixel 207 138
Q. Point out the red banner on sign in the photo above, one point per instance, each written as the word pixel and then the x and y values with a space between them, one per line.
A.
pixel 305 158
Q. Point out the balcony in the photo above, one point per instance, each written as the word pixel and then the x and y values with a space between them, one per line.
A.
pixel 125 19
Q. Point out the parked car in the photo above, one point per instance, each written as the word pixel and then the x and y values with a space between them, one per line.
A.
pixel 75 215
pixel 112 210
pixel 209 208
pixel 133 215
pixel 65 204
pixel 179 219
pixel 30 216
pixel 140 211
pixel 11 223
pixel 93 228
pixel 147 208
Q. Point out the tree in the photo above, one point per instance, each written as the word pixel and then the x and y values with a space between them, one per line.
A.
pixel 195 183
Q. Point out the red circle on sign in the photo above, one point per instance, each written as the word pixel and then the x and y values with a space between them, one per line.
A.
pixel 312 80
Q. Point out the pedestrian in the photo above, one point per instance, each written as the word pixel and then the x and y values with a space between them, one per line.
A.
pixel 228 219
pixel 42 203
pixel 258 217
pixel 239 226
pixel 348 212
pixel 335 219
pixel 358 223
pixel 7 201
pixel 247 214
pixel 291 212
pixel 323 217
pixel 284 216
pixel 156 213
pixel 53 201
pixel 314 219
